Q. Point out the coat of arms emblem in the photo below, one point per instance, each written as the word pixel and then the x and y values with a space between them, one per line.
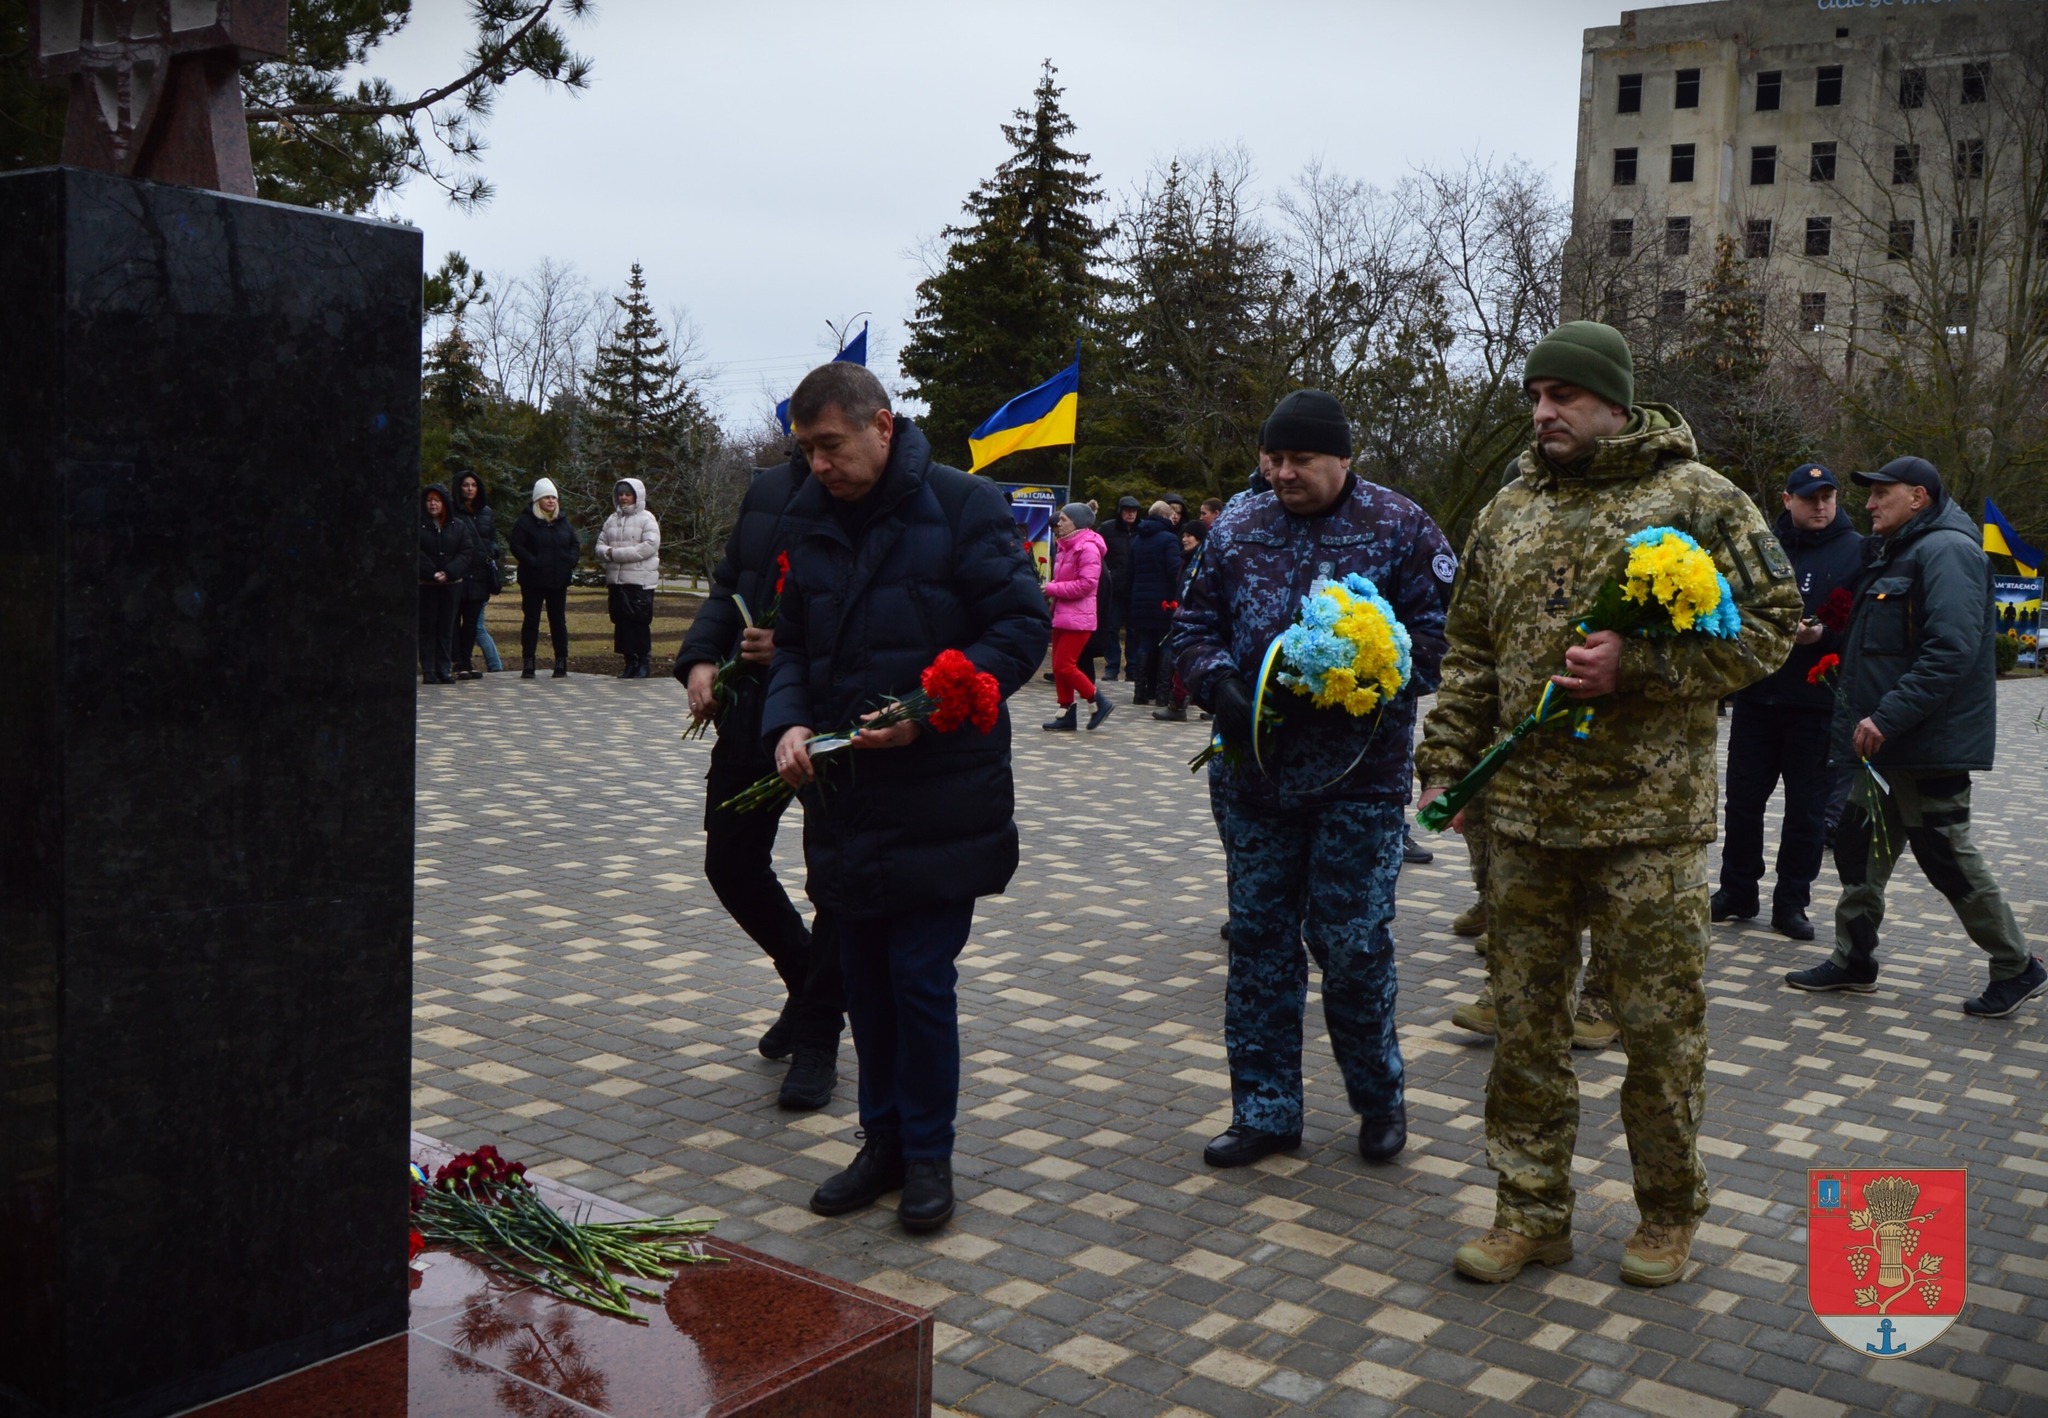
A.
pixel 1886 1263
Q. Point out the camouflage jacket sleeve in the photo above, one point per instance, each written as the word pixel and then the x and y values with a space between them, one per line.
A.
pixel 1461 727
pixel 1760 574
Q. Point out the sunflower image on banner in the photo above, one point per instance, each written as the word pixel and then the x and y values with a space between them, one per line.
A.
pixel 1887 1256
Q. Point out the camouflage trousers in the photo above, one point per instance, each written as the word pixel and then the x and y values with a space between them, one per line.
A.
pixel 1324 875
pixel 1647 910
pixel 1931 814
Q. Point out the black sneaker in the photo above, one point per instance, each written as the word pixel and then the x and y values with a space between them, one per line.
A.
pixel 927 1202
pixel 1791 921
pixel 1413 853
pixel 779 1042
pixel 809 1083
pixel 1241 1146
pixel 1829 976
pixel 1723 907
pixel 876 1171
pixel 2002 997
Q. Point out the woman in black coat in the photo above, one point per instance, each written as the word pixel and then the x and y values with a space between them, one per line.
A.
pixel 1155 595
pixel 446 550
pixel 473 505
pixel 546 549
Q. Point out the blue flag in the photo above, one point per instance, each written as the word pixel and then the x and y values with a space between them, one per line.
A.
pixel 854 351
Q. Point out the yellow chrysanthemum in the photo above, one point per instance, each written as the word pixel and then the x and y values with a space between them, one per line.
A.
pixel 1681 578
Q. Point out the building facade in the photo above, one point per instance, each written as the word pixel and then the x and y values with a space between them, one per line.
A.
pixel 1879 165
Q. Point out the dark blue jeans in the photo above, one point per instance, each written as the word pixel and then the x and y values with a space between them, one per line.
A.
pixel 900 1000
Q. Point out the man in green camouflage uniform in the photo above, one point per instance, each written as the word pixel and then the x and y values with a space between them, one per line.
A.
pixel 1608 834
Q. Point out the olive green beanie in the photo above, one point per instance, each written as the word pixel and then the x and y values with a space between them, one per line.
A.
pixel 1591 355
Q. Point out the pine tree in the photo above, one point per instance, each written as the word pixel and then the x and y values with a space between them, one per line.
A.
pixel 1019 287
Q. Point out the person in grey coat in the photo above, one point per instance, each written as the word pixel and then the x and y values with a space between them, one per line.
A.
pixel 1918 704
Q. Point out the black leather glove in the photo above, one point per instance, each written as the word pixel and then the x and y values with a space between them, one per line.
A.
pixel 1231 704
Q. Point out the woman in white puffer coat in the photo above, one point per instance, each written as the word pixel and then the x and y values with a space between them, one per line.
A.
pixel 629 548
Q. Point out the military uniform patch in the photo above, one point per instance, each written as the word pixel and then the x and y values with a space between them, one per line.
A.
pixel 1775 561
pixel 1445 566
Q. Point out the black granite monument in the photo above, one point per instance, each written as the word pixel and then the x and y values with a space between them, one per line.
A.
pixel 209 447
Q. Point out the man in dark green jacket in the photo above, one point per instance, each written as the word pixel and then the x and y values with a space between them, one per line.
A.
pixel 1916 715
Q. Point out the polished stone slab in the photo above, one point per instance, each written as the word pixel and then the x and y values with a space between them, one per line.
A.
pixel 209 449
pixel 751 1337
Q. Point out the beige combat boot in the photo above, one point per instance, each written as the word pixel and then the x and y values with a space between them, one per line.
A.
pixel 1471 920
pixel 1594 1025
pixel 1656 1254
pixel 1478 1016
pixel 1500 1254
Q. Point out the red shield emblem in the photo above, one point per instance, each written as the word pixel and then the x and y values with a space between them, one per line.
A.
pixel 1887 1265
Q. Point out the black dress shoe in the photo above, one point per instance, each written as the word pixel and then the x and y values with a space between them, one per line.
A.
pixel 877 1170
pixel 809 1083
pixel 1413 853
pixel 1791 921
pixel 1241 1146
pixel 927 1194
pixel 1381 1139
pixel 1723 907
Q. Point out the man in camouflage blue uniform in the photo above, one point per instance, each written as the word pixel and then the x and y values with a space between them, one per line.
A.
pixel 1313 840
pixel 1609 834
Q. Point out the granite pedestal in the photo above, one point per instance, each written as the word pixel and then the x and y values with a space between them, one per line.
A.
pixel 209 453
pixel 746 1336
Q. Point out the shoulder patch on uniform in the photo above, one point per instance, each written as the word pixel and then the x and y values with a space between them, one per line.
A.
pixel 1773 556
pixel 1445 566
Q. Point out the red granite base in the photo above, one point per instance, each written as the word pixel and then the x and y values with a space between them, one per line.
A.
pixel 753 1337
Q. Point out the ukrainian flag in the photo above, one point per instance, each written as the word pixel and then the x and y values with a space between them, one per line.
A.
pixel 1037 418
pixel 2001 538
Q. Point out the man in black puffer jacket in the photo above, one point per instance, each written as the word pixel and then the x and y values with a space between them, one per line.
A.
pixel 1919 706
pixel 1117 533
pixel 894 558
pixel 1780 725
pixel 739 847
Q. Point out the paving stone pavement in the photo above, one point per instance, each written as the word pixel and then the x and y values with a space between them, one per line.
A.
pixel 582 1000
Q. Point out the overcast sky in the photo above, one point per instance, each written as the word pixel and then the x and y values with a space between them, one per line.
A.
pixel 776 164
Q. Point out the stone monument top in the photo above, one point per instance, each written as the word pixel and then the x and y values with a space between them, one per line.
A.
pixel 156 87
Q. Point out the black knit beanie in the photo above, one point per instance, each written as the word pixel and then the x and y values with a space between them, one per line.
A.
pixel 1307 421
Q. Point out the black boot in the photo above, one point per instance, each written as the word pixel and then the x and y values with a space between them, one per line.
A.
pixel 877 1170
pixel 1381 1139
pixel 1172 713
pixel 1102 708
pixel 561 667
pixel 810 1080
pixel 526 668
pixel 627 672
pixel 1067 718
pixel 646 669
pixel 927 1194
pixel 1722 906
pixel 1240 1146
pixel 779 1042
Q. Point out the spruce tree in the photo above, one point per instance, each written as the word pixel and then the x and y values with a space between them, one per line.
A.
pixel 643 419
pixel 1019 287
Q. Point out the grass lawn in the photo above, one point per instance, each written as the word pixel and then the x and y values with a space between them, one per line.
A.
pixel 590 630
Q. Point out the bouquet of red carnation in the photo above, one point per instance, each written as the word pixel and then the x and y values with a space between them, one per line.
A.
pixel 951 693
pixel 1826 671
pixel 483 1204
pixel 1834 612
pixel 730 669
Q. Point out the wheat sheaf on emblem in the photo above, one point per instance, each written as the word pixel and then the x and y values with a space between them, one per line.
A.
pixel 1887 1214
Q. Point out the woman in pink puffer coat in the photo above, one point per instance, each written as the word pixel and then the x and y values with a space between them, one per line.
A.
pixel 1076 573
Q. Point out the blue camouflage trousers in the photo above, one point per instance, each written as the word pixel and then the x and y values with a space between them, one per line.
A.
pixel 1324 874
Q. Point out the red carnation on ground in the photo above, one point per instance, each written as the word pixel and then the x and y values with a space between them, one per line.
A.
pixel 1827 666
pixel 1834 612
